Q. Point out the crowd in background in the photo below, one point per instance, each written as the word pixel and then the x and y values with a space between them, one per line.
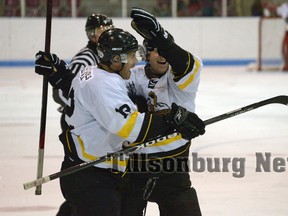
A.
pixel 198 8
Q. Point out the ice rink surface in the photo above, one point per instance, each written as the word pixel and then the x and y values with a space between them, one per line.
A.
pixel 236 189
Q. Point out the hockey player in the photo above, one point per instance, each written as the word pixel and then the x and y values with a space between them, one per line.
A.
pixel 95 25
pixel 100 117
pixel 159 173
pixel 87 56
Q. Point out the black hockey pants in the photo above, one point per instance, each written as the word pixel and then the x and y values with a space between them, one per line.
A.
pixel 173 194
pixel 92 191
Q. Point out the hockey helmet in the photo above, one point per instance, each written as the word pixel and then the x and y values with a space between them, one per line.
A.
pixel 97 21
pixel 150 45
pixel 115 42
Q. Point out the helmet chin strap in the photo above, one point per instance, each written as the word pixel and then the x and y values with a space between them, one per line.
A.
pixel 116 61
pixel 94 35
pixel 115 71
pixel 109 63
pixel 118 71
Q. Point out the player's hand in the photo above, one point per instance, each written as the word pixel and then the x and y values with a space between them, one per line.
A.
pixel 148 26
pixel 51 66
pixel 188 124
pixel 145 23
pixel 48 64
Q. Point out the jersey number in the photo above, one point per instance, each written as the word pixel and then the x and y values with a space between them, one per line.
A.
pixel 124 110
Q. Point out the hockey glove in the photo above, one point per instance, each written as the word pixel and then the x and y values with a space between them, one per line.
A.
pixel 188 124
pixel 148 27
pixel 51 66
pixel 140 102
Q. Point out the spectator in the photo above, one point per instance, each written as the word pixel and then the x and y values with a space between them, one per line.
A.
pixel 257 8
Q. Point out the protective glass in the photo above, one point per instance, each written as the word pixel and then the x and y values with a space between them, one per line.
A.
pixel 140 55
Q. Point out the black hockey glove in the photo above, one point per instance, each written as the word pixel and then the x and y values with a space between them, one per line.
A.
pixel 140 102
pixel 148 27
pixel 188 124
pixel 54 68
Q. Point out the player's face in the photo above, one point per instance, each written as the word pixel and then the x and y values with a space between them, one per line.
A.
pixel 158 63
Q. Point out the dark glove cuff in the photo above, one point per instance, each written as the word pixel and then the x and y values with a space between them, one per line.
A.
pixel 164 40
pixel 60 79
pixel 56 80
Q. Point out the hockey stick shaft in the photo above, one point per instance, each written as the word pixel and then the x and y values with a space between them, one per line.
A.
pixel 87 164
pixel 281 99
pixel 278 99
pixel 41 147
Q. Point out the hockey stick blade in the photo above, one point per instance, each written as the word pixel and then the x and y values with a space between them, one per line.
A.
pixel 282 99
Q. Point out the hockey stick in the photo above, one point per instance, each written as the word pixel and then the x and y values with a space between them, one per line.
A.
pixel 278 100
pixel 281 99
pixel 40 162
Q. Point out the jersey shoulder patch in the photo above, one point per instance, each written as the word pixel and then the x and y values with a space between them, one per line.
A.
pixel 86 74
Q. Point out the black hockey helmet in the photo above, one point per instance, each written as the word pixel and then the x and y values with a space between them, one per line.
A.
pixel 115 42
pixel 97 21
pixel 150 45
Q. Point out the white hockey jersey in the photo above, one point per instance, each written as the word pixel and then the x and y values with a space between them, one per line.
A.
pixel 101 116
pixel 160 93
